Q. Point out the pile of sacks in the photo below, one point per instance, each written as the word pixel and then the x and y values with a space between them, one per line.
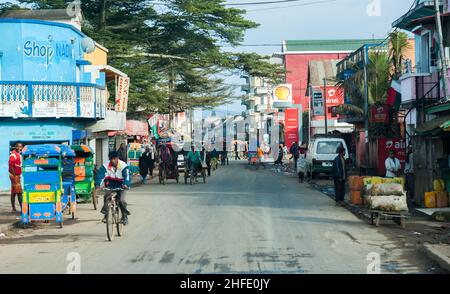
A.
pixel 385 194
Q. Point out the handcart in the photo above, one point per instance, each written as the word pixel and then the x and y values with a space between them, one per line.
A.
pixel 398 217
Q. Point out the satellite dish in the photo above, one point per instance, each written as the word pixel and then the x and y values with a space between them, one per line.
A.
pixel 88 45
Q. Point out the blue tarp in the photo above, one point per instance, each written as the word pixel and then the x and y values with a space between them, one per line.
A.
pixel 48 150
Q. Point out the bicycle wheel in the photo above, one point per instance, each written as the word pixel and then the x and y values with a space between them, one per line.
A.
pixel 110 223
pixel 191 178
pixel 119 225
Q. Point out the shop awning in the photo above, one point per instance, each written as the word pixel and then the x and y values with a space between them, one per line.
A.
pixel 110 71
pixel 424 10
pixel 434 127
pixel 133 128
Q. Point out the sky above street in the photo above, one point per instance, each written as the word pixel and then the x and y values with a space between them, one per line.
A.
pixel 312 19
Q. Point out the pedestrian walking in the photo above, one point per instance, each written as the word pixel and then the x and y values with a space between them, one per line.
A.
pixel 295 152
pixel 409 172
pixel 123 153
pixel 15 173
pixel 339 176
pixel 280 155
pixel 144 163
pixel 260 154
pixel 236 152
pixel 393 165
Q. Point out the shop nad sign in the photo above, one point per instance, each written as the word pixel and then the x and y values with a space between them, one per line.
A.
pixel 47 51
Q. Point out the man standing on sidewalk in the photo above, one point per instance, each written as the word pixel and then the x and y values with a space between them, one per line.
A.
pixel 295 150
pixel 15 173
pixel 339 176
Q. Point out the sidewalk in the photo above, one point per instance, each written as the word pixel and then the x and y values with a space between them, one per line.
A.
pixel 9 220
pixel 428 235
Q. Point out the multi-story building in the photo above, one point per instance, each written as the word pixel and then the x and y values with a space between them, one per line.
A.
pixel 424 100
pixel 49 90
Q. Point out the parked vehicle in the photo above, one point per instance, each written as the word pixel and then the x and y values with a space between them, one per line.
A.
pixel 43 184
pixel 84 174
pixel 322 151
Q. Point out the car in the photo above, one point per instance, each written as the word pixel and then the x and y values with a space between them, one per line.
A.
pixel 321 153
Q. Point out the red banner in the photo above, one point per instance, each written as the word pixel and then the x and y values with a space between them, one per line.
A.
pixel 384 146
pixel 379 114
pixel 291 126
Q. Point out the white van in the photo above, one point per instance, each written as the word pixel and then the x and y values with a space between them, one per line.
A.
pixel 321 153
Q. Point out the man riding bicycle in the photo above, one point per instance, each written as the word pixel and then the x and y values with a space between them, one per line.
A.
pixel 114 175
pixel 194 160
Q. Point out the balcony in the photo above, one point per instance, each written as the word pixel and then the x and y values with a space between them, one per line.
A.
pixel 52 100
pixel 420 86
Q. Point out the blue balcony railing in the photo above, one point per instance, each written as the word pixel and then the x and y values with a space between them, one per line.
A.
pixel 52 99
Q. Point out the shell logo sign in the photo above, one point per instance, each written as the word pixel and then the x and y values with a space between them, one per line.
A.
pixel 282 93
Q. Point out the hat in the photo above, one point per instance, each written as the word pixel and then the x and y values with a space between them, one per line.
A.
pixel 113 154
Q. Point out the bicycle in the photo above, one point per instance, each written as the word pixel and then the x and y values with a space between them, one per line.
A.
pixel 114 216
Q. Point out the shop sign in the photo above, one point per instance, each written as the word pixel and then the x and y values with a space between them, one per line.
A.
pixel 291 126
pixel 54 109
pixel 123 86
pixel 282 96
pixel 379 114
pixel 317 103
pixel 14 108
pixel 47 51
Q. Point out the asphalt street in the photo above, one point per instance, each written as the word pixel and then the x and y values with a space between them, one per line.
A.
pixel 240 221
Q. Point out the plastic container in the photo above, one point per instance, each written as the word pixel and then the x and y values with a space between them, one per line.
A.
pixel 355 197
pixel 441 199
pixel 430 199
pixel 439 185
pixel 356 183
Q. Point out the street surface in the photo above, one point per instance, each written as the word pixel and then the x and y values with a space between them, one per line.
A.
pixel 241 221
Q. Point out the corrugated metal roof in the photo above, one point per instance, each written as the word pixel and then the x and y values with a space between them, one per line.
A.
pixel 40 14
pixel 326 45
pixel 320 69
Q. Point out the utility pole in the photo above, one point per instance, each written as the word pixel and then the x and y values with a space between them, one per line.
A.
pixel 325 104
pixel 441 50
pixel 366 108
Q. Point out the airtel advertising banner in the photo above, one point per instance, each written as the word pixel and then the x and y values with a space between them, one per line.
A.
pixel 380 114
pixel 335 97
pixel 384 146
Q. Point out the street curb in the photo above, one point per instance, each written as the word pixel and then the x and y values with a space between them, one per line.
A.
pixel 7 227
pixel 437 256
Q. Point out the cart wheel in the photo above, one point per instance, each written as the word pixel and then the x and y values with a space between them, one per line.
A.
pixel 377 221
pixel 185 179
pixel 178 179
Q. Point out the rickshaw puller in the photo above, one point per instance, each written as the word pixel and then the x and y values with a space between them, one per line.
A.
pixel 115 175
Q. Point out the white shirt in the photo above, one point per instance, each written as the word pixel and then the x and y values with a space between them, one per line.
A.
pixel 392 167
pixel 409 167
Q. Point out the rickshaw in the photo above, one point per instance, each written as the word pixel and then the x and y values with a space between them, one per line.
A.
pixel 169 171
pixel 84 174
pixel 192 175
pixel 43 184
pixel 69 197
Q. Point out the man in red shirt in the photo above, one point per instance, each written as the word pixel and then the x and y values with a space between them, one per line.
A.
pixel 15 173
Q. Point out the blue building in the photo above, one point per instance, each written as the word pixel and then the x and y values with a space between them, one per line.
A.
pixel 49 91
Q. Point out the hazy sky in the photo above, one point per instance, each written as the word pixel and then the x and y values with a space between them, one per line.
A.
pixel 315 19
pixel 339 19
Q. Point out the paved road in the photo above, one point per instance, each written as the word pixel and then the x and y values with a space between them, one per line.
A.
pixel 241 221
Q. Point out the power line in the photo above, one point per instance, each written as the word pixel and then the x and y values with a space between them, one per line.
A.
pixel 289 6
pixel 262 3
